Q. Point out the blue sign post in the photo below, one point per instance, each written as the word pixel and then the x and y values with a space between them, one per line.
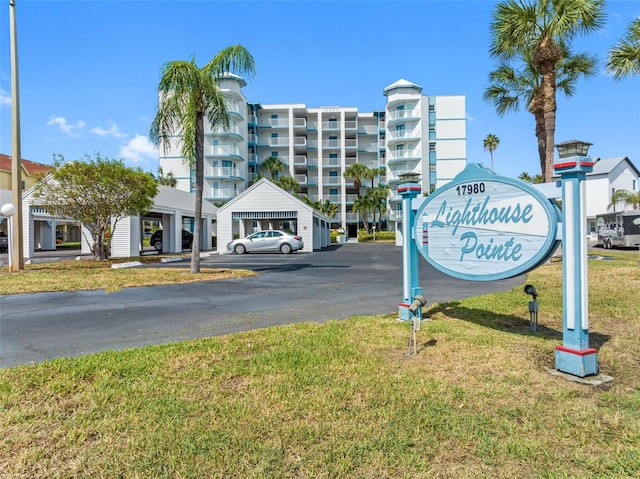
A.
pixel 408 190
pixel 574 356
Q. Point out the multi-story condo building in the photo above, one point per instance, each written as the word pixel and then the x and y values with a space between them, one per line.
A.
pixel 413 133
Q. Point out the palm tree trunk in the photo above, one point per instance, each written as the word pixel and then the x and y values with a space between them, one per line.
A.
pixel 195 247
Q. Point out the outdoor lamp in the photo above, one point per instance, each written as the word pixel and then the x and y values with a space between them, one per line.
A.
pixel 418 302
pixel 570 148
pixel 531 289
pixel 409 177
pixel 8 210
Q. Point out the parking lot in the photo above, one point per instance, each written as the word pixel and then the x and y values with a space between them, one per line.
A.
pixel 333 284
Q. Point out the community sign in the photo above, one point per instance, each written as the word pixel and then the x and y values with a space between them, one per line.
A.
pixel 484 227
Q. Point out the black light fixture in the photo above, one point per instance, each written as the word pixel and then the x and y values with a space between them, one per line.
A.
pixel 531 289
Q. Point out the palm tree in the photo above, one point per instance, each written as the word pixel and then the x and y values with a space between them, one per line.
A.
pixel 363 205
pixel 629 199
pixel 167 180
pixel 524 176
pixel 624 57
pixel 510 87
pixel 542 31
pixel 189 95
pixel 357 172
pixel 288 184
pixel 490 143
pixel 273 165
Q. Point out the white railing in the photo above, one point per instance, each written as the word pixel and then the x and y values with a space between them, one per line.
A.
pixel 221 171
pixel 218 193
pixel 368 130
pixel 350 125
pixel 284 141
pixel 227 131
pixel 331 180
pixel 330 161
pixel 300 141
pixel 276 122
pixel 299 160
pixel 225 150
pixel 302 179
pixel 400 154
pixel 331 125
pixel 299 122
pixel 330 143
pixel 399 114
pixel 397 134
pixel 368 147
pixel 253 138
pixel 312 125
pixel 351 143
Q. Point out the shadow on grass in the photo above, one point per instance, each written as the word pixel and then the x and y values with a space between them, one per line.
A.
pixel 507 323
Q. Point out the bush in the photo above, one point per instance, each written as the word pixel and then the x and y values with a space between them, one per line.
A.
pixel 380 236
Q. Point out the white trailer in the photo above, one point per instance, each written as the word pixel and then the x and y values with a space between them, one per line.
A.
pixel 621 229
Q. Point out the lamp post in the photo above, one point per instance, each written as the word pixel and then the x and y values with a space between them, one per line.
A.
pixel 574 356
pixel 408 189
pixel 9 210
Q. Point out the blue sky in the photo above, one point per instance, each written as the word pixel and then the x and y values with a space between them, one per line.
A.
pixel 89 70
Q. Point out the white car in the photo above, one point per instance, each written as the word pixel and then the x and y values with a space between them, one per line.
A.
pixel 266 241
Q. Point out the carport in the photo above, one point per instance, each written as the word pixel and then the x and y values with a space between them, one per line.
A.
pixel 266 206
pixel 175 209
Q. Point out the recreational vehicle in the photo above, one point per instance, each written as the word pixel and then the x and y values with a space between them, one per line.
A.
pixel 621 229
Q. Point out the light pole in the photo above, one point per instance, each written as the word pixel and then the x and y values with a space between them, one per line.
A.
pixel 9 210
pixel 574 356
pixel 17 257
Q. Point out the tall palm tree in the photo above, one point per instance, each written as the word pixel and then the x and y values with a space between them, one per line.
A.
pixel 490 143
pixel 273 165
pixel 189 96
pixel 624 57
pixel 627 197
pixel 543 30
pixel 358 172
pixel 288 184
pixel 510 87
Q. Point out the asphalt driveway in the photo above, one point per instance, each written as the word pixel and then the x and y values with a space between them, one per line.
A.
pixel 333 284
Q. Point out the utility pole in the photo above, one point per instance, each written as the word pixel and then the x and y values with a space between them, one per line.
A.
pixel 17 256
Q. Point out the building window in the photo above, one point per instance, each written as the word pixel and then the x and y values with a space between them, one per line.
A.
pixel 333 191
pixel 432 146
pixel 274 153
pixel 633 185
pixel 23 184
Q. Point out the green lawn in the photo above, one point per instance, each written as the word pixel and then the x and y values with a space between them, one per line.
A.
pixel 343 400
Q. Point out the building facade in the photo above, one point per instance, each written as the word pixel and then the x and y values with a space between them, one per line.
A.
pixel 413 133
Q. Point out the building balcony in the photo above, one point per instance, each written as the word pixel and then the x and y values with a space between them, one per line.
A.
pixel 402 135
pixel 224 151
pixel 403 155
pixel 326 161
pixel 331 180
pixel 302 179
pixel 273 142
pixel 222 172
pixel 300 123
pixel 368 147
pixel 232 132
pixel 218 194
pixel 351 125
pixel 274 123
pixel 312 126
pixel 234 110
pixel 402 115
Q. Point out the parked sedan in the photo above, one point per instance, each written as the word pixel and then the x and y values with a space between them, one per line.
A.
pixel 156 239
pixel 265 241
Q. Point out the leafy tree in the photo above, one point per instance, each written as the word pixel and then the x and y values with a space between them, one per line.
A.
pixel 168 180
pixel 378 202
pixel 325 207
pixel 289 184
pixel 627 197
pixel 490 143
pixel 98 192
pixel 273 165
pixel 540 32
pixel 357 172
pixel 510 87
pixel 188 96
pixel 363 206
pixel 624 57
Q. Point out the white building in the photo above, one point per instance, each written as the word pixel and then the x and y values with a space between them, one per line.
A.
pixel 413 133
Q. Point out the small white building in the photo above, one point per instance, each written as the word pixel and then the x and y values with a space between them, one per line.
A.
pixel 265 206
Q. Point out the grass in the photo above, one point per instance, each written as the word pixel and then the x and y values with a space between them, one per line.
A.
pixel 342 400
pixel 76 275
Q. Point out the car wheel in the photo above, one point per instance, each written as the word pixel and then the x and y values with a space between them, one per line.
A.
pixel 239 249
pixel 607 244
pixel 158 245
pixel 285 248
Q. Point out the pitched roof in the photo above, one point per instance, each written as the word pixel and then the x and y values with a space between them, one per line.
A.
pixel 607 165
pixel 30 167
pixel 402 83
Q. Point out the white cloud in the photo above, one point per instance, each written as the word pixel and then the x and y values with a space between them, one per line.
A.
pixel 113 131
pixel 470 118
pixel 67 128
pixel 138 149
pixel 5 98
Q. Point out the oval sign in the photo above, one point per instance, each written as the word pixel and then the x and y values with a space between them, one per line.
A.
pixel 484 227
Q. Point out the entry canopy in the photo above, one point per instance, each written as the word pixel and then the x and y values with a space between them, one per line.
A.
pixel 485 227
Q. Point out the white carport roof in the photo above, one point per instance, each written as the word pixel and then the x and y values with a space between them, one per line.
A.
pixel 170 199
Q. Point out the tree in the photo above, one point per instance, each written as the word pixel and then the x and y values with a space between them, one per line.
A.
pixel 536 179
pixel 363 206
pixel 188 96
pixel 627 197
pixel 378 201
pixel 98 193
pixel 273 165
pixel 624 57
pixel 541 32
pixel 325 207
pixel 509 87
pixel 288 184
pixel 168 180
pixel 490 143
pixel 358 172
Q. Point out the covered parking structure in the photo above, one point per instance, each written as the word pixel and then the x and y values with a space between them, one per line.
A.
pixel 174 209
pixel 266 206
